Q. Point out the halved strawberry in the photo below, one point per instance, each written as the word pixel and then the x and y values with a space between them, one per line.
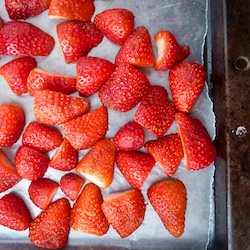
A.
pixel 198 147
pixel 77 39
pixel 53 108
pixel 169 199
pixel 84 131
pixel 115 24
pixel 87 215
pixel 50 229
pixel 125 211
pixel 156 112
pixel 92 72
pixel 124 89
pixel 98 164
pixel 24 39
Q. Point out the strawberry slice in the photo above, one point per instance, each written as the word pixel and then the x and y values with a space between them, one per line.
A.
pixel 54 108
pixel 98 164
pixel 198 147
pixel 125 211
pixel 77 39
pixel 135 166
pixel 137 49
pixel 169 199
pixel 167 152
pixel 50 229
pixel 92 72
pixel 84 131
pixel 156 112
pixel 87 215
pixel 115 24
pixel 124 89
pixel 24 39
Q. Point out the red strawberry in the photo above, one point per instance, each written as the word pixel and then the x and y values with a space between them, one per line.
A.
pixel 11 124
pixel 31 164
pixel 198 147
pixel 115 24
pixel 87 215
pixel 156 112
pixel 50 229
pixel 42 191
pixel 77 39
pixel 169 199
pixel 186 80
pixel 24 39
pixel 84 131
pixel 98 164
pixel 92 72
pixel 71 184
pixel 53 108
pixel 40 80
pixel 14 213
pixel 66 157
pixel 124 89
pixel 137 49
pixel 135 166
pixel 167 152
pixel 125 211
pixel 16 73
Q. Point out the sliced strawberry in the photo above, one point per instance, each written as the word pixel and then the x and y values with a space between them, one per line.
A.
pixel 50 229
pixel 11 124
pixel 137 49
pixel 98 164
pixel 84 131
pixel 115 24
pixel 87 215
pixel 198 147
pixel 77 39
pixel 169 199
pixel 92 72
pixel 125 211
pixel 156 112
pixel 53 108
pixel 124 89
pixel 24 39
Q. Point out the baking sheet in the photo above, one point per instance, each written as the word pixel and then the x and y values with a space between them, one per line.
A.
pixel 187 20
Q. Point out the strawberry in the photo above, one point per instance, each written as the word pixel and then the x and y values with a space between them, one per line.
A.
pixel 135 166
pixel 71 184
pixel 77 39
pixel 11 124
pixel 115 24
pixel 14 213
pixel 169 199
pixel 50 229
pixel 186 80
pixel 125 211
pixel 124 89
pixel 42 191
pixel 84 131
pixel 66 157
pixel 167 152
pixel 40 80
pixel 53 108
pixel 98 164
pixel 31 164
pixel 16 73
pixel 137 49
pixel 156 112
pixel 24 39
pixel 92 72
pixel 198 147
pixel 87 215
